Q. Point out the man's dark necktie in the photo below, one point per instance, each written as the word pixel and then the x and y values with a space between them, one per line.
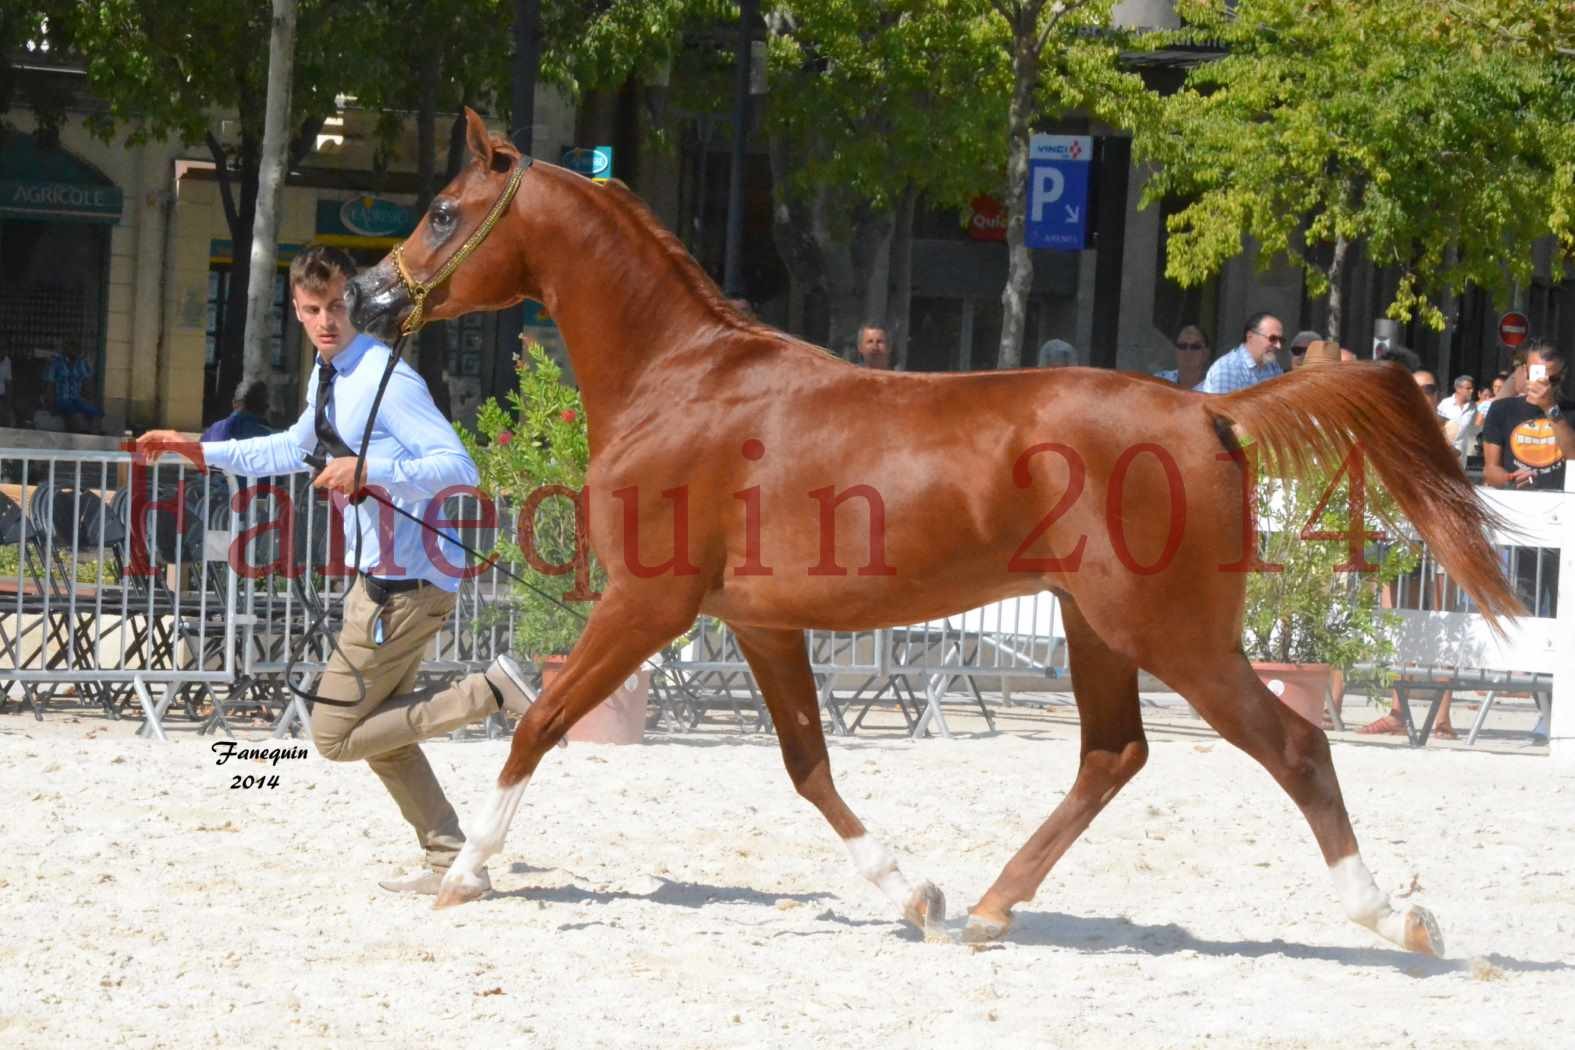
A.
pixel 328 439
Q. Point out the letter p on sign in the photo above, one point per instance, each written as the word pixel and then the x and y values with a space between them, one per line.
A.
pixel 1048 185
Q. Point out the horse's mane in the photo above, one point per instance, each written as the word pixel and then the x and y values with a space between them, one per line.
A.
pixel 684 267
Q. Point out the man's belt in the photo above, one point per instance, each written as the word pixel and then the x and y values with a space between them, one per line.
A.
pixel 382 590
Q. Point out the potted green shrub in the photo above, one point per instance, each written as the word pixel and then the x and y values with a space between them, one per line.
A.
pixel 1306 625
pixel 533 453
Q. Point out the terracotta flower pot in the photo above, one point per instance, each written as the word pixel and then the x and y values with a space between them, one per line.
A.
pixel 1301 686
pixel 620 719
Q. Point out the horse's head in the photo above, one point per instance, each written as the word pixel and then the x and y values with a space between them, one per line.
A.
pixel 459 258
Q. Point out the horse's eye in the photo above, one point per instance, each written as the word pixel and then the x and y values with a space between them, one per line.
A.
pixel 443 214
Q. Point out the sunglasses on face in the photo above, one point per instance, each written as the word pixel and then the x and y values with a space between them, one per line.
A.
pixel 1431 388
pixel 1190 346
pixel 1272 340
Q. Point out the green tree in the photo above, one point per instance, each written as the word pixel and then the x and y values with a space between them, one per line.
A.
pixel 1336 122
pixel 177 70
pixel 1063 56
pixel 873 106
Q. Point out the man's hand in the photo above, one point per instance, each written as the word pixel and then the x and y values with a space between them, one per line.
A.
pixel 1521 478
pixel 339 476
pixel 155 443
pixel 1539 392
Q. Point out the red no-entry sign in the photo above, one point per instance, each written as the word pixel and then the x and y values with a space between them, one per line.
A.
pixel 1513 328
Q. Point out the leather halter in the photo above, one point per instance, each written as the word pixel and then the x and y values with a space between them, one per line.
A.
pixel 419 290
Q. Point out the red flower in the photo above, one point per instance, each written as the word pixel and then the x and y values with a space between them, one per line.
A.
pixel 568 415
pixel 505 437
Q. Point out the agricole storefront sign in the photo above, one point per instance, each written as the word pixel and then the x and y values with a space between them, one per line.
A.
pixel 63 199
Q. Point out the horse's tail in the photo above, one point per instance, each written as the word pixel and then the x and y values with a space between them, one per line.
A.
pixel 1313 417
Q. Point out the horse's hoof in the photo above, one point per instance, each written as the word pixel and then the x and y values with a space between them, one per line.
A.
pixel 1422 933
pixel 926 907
pixel 460 889
pixel 984 931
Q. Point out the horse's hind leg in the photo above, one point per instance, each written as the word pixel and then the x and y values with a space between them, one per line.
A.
pixel 781 666
pixel 1105 684
pixel 1236 703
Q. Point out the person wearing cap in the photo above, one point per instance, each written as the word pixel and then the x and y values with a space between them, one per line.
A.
pixel 1192 356
pixel 1299 346
pixel 1320 353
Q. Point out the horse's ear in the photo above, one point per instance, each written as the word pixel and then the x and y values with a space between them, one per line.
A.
pixel 477 137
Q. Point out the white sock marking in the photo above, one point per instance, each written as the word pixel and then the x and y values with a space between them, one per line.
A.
pixel 875 864
pixel 1364 902
pixel 488 837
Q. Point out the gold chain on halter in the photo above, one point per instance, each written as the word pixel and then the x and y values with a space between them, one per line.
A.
pixel 419 290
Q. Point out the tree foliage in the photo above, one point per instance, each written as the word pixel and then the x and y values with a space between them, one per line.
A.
pixel 1332 122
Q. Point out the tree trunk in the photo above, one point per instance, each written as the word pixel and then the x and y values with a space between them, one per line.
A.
pixel 874 267
pixel 264 251
pixel 897 309
pixel 1336 294
pixel 231 346
pixel 1020 265
pixel 433 339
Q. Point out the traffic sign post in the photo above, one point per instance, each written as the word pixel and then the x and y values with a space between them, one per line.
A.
pixel 1513 328
pixel 1058 179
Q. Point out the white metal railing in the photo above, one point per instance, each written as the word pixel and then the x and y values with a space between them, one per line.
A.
pixel 110 588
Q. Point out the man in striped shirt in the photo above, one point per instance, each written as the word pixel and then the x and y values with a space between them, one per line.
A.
pixel 1250 363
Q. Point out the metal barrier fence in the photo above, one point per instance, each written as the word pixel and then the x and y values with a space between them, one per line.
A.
pixel 914 668
pixel 286 529
pixel 106 598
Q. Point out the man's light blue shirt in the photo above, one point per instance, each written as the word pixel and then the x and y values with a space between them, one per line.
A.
pixel 1237 371
pixel 414 454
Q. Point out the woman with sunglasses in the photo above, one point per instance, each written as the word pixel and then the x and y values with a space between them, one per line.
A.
pixel 1192 358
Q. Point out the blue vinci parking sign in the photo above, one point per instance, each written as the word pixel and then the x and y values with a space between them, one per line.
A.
pixel 1058 167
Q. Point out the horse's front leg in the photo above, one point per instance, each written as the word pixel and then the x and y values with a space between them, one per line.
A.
pixel 781 666
pixel 620 635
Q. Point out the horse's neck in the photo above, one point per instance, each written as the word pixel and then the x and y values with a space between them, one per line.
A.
pixel 622 303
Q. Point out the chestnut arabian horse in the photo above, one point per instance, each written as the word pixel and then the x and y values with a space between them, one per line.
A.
pixel 743 474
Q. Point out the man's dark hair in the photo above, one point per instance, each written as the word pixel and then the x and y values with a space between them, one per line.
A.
pixel 1403 356
pixel 858 336
pixel 1254 321
pixel 1545 349
pixel 255 399
pixel 319 264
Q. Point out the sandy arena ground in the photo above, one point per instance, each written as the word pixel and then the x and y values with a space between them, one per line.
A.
pixel 680 894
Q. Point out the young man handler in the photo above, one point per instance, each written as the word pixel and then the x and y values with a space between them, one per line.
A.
pixel 400 599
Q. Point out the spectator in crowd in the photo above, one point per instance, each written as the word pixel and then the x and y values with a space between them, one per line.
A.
pixel 1321 353
pixel 246 418
pixel 874 347
pixel 1299 346
pixel 1192 358
pixel 1460 402
pixel 1253 360
pixel 68 373
pixel 1527 437
pixel 1057 353
pixel 1405 357
pixel 1428 384
pixel 1498 383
